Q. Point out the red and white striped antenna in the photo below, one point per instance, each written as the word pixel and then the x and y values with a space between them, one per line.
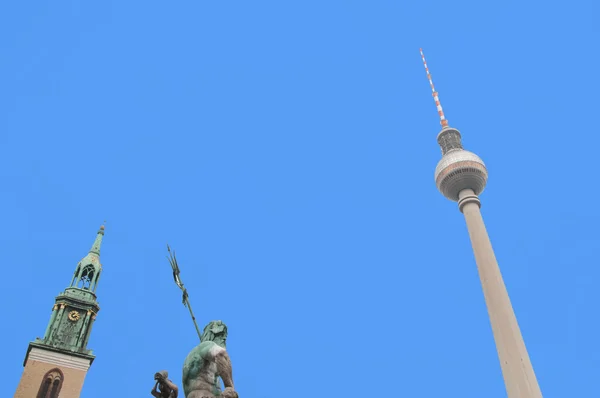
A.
pixel 443 120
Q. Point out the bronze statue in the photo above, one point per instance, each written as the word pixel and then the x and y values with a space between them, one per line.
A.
pixel 209 360
pixel 206 363
pixel 167 388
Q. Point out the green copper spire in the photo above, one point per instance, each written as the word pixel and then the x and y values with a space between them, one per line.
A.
pixel 75 308
pixel 98 242
pixel 89 268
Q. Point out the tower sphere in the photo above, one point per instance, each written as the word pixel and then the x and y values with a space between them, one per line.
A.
pixel 458 170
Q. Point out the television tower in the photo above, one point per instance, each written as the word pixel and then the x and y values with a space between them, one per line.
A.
pixel 461 176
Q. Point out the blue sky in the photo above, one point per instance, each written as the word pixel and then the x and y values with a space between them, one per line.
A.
pixel 286 150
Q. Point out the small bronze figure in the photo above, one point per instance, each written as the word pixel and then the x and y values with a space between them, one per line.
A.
pixel 167 388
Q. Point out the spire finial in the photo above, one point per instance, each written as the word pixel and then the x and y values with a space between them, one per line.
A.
pixel 443 120
pixel 98 242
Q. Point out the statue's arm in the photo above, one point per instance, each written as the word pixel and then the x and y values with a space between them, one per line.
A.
pixel 223 365
pixel 154 391
pixel 173 387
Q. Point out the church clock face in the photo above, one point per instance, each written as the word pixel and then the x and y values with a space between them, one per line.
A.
pixel 74 316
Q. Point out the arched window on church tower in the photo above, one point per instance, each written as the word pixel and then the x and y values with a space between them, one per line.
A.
pixel 87 276
pixel 51 384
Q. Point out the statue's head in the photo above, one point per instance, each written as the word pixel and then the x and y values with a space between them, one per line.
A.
pixel 161 376
pixel 215 331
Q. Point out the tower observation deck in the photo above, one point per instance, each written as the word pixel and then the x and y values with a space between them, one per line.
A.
pixel 458 169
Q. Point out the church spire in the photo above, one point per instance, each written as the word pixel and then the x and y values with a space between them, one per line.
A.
pixel 77 302
pixel 89 268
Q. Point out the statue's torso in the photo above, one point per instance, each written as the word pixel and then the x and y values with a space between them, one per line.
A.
pixel 200 371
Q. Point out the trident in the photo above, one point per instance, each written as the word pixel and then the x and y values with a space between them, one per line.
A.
pixel 186 300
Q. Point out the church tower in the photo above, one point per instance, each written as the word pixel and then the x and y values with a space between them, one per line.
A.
pixel 57 364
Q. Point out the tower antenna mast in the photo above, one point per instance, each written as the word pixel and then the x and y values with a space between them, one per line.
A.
pixel 186 299
pixel 443 120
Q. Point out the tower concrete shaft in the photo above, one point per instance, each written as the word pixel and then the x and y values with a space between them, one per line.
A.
pixel 517 369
